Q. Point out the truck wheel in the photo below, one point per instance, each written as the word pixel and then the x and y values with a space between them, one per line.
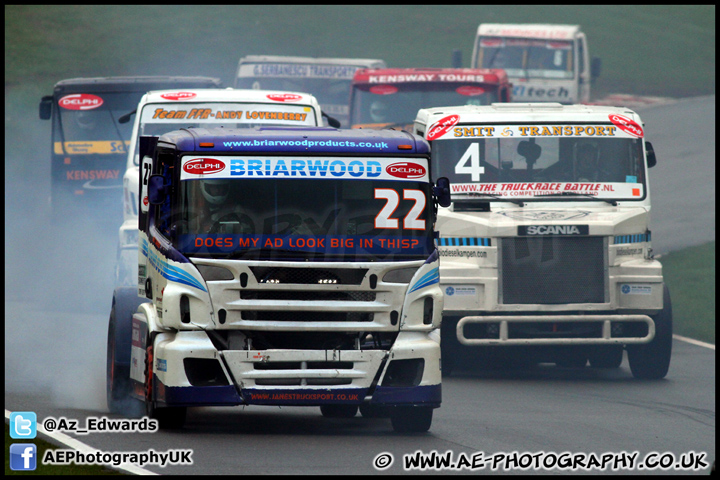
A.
pixel 167 417
pixel 605 356
pixel 652 360
pixel 339 411
pixel 411 419
pixel 118 386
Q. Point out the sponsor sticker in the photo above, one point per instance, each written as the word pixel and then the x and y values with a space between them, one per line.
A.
pixel 406 170
pixel 442 126
pixel 636 289
pixel 383 89
pixel 553 229
pixel 179 96
pixel 80 101
pixel 460 291
pixel 284 97
pixel 470 91
pixel 204 166
pixel 627 125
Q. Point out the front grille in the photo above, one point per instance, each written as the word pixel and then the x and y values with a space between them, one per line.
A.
pixel 307 316
pixel 552 270
pixel 309 276
pixel 349 296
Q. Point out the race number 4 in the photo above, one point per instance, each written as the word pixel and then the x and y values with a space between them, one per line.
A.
pixel 474 169
pixel 412 220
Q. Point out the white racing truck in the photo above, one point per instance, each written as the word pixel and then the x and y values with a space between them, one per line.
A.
pixel 165 110
pixel 544 62
pixel 546 251
pixel 328 79
pixel 284 266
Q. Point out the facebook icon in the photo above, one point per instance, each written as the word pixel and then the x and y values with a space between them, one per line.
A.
pixel 23 456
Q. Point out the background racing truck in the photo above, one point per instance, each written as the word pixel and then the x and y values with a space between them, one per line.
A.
pixel 546 248
pixel 328 79
pixel 159 112
pixel 284 266
pixel 391 97
pixel 545 63
pixel 89 144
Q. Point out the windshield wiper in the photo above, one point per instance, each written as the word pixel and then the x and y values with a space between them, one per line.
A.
pixel 481 194
pixel 578 194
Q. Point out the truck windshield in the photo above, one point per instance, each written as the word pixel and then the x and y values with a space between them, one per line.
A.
pixel 528 58
pixel 398 104
pixel 515 167
pixel 159 118
pixel 325 219
pixel 96 129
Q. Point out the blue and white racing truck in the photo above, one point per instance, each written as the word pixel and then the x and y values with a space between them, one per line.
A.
pixel 284 266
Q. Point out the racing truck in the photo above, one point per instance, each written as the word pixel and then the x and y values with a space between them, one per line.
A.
pixel 545 62
pixel 328 79
pixel 391 97
pixel 162 111
pixel 89 145
pixel 546 249
pixel 283 266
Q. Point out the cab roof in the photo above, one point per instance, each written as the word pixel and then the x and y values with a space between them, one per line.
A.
pixel 359 62
pixel 415 75
pixel 524 113
pixel 133 84
pixel 529 30
pixel 305 140
pixel 230 95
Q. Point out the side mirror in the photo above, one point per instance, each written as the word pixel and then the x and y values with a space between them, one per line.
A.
pixel 441 190
pixel 157 190
pixel 650 154
pixel 457 59
pixel 595 67
pixel 332 121
pixel 125 118
pixel 46 107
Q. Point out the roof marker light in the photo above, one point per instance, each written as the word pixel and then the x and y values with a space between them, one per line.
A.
pixel 207 144
pixel 405 147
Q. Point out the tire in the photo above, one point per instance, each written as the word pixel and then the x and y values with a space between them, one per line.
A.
pixel 411 419
pixel 605 356
pixel 339 411
pixel 167 417
pixel 651 361
pixel 118 386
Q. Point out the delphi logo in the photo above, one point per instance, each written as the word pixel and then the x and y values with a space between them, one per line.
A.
pixel 80 101
pixel 627 125
pixel 406 170
pixel 442 126
pixel 284 97
pixel 179 95
pixel 203 166
pixel 553 230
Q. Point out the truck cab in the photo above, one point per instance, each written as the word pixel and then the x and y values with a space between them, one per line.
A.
pixel 545 62
pixel 328 79
pixel 546 249
pixel 165 110
pixel 391 97
pixel 283 266
pixel 89 144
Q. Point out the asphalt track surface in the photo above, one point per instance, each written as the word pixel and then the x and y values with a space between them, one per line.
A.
pixel 55 361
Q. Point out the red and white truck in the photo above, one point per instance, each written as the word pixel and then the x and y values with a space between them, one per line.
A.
pixel 388 97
